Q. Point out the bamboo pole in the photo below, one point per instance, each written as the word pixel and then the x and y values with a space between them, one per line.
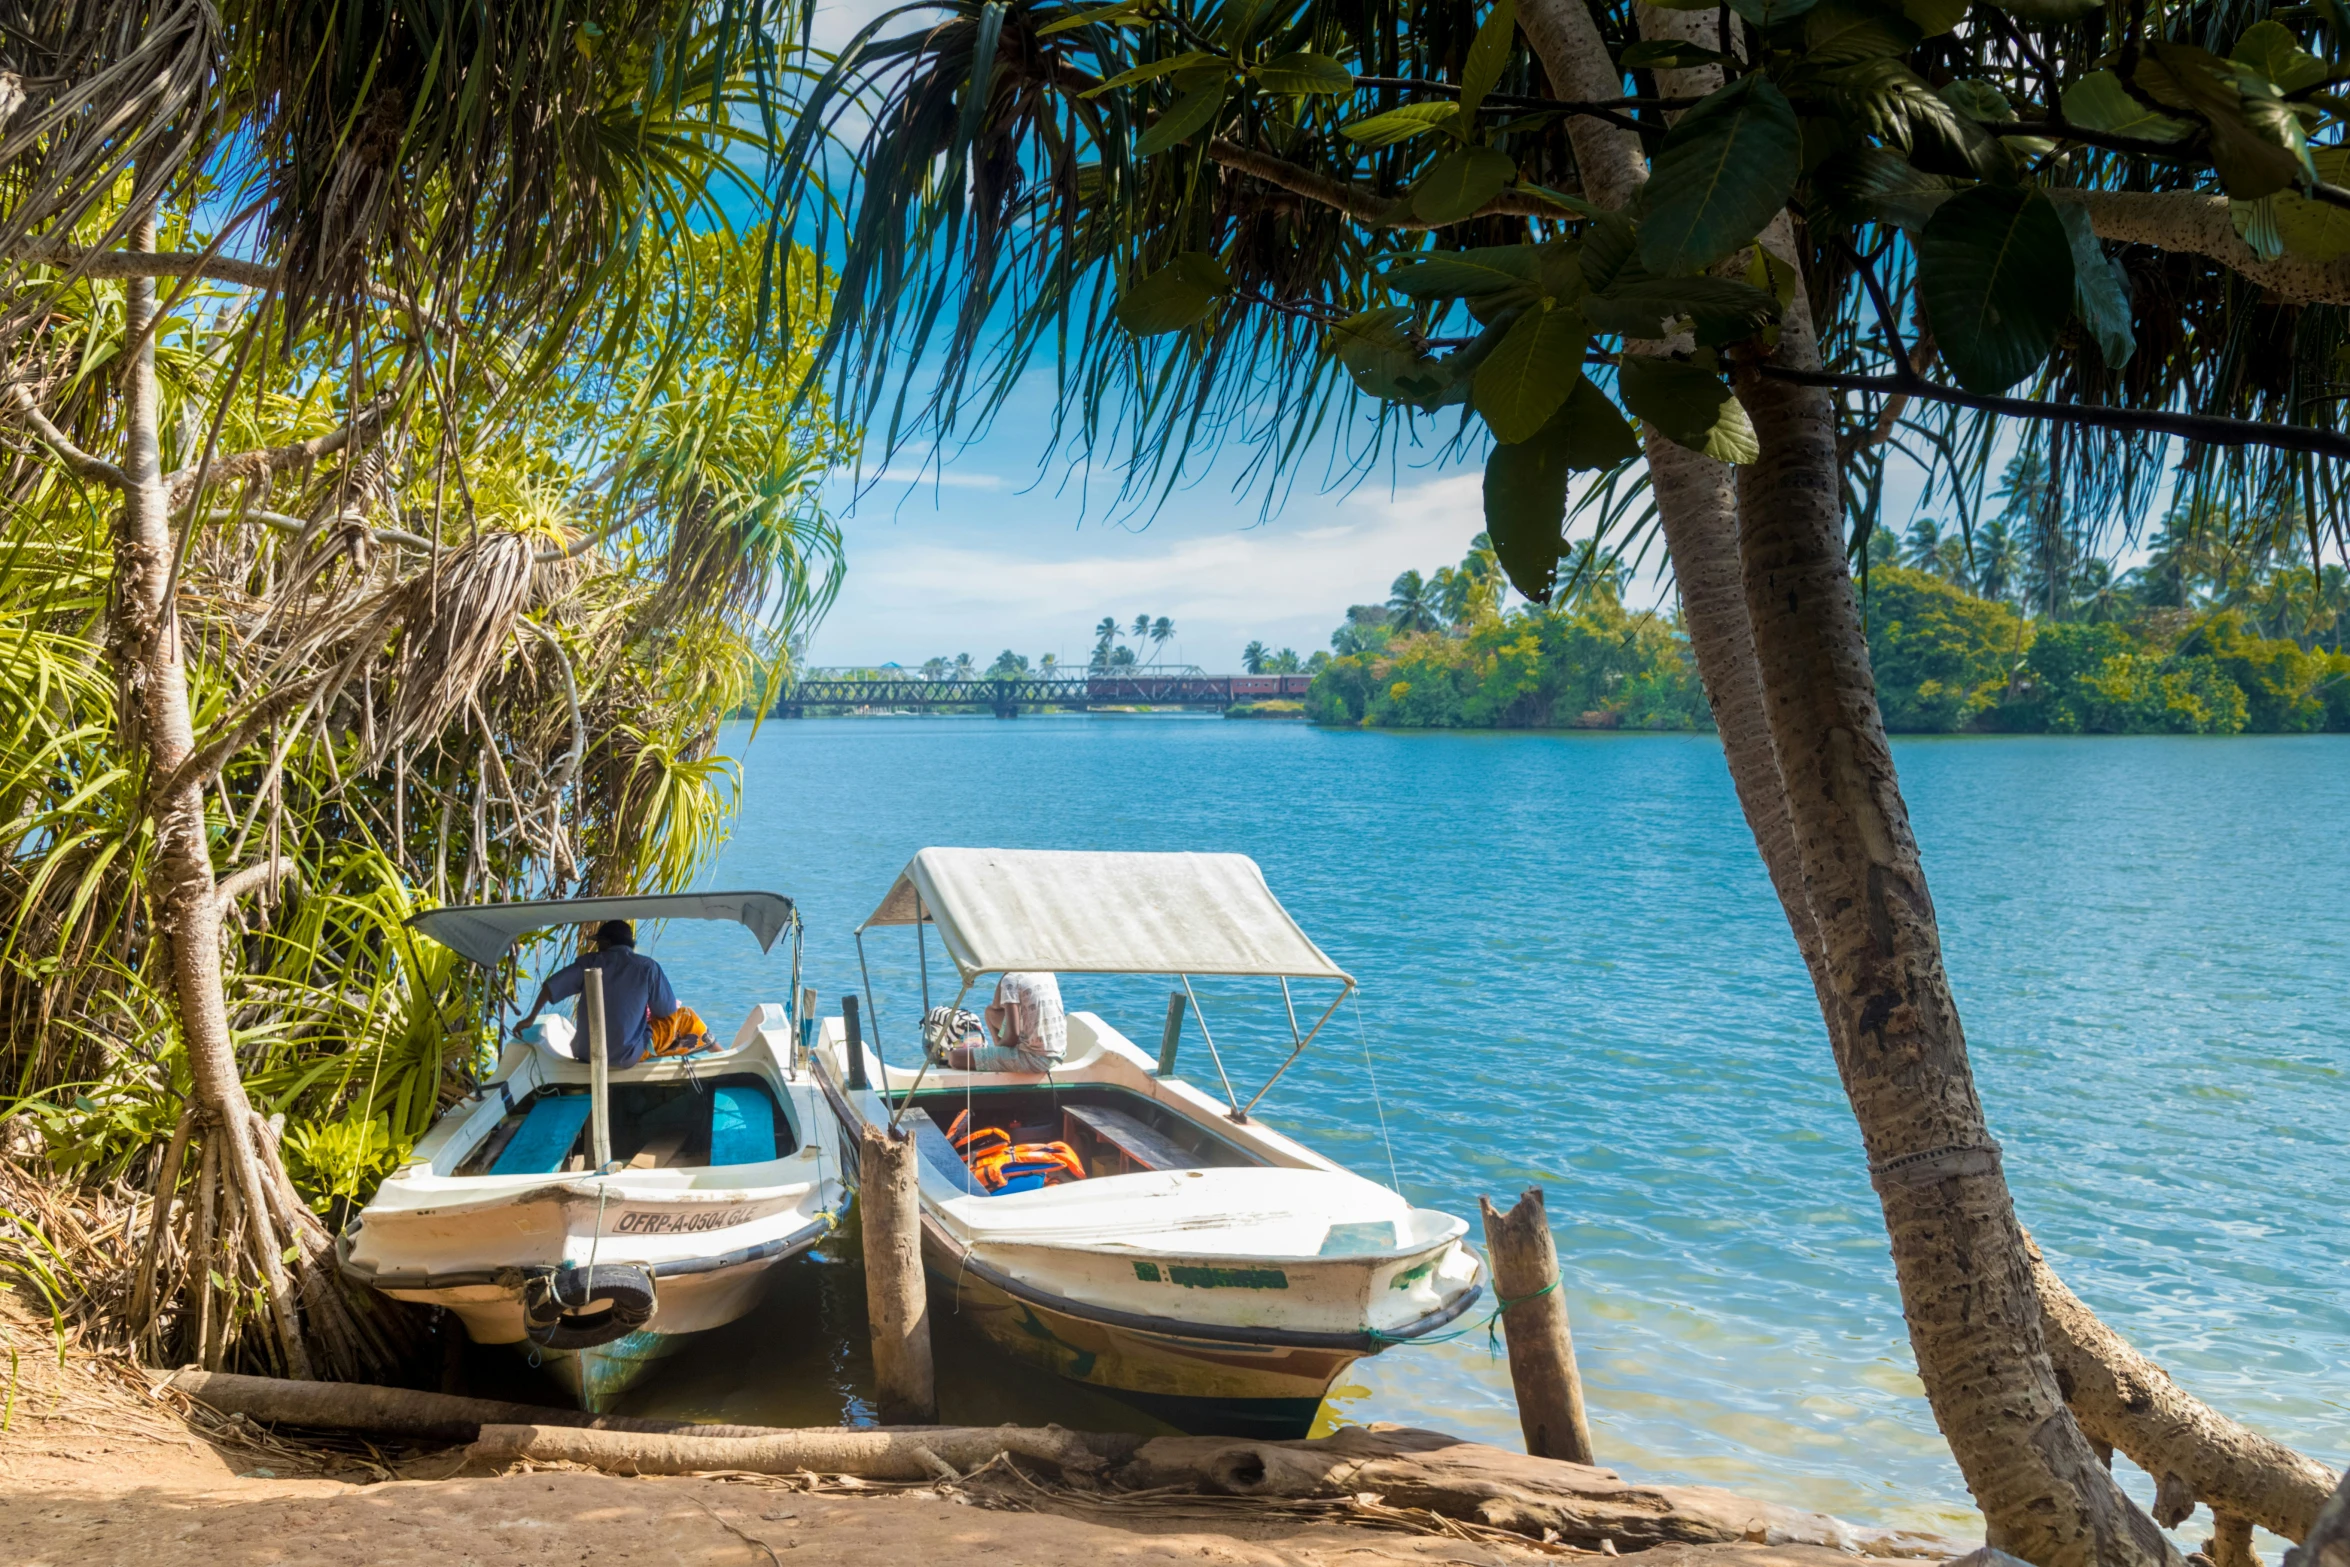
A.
pixel 896 1301
pixel 1534 1318
pixel 598 1027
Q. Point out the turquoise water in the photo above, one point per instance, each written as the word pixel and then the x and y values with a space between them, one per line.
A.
pixel 1575 976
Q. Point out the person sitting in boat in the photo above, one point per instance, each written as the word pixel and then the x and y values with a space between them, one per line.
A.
pixel 1031 1031
pixel 642 1015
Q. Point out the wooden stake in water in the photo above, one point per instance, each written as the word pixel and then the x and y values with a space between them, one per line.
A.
pixel 1534 1320
pixel 591 1011
pixel 896 1301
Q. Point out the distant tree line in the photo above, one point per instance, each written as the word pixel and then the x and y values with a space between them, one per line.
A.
pixel 1442 653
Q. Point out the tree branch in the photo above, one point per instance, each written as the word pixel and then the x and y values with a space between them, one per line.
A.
pixel 266 460
pixel 2199 224
pixel 194 263
pixel 2203 428
pixel 268 872
pixel 96 469
pixel 1363 203
pixel 279 522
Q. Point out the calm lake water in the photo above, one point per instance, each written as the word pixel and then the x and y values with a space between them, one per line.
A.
pixel 1574 975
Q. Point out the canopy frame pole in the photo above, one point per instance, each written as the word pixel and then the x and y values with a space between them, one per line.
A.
pixel 1301 1044
pixel 1289 1006
pixel 898 1113
pixel 798 941
pixel 872 1015
pixel 1230 1098
pixel 922 954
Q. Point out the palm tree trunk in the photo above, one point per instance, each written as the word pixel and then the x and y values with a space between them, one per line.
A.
pixel 155 712
pixel 1958 1252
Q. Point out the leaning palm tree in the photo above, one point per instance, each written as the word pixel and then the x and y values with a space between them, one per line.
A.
pixel 1253 657
pixel 1162 632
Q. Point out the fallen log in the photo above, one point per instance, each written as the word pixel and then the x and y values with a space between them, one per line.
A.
pixel 1491 1485
pixel 905 1453
pixel 2194 1452
pixel 398 1411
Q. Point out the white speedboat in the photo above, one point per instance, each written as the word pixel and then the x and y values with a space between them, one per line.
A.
pixel 594 1217
pixel 1205 1268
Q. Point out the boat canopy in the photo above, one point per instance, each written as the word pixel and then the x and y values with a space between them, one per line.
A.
pixel 1069 912
pixel 486 932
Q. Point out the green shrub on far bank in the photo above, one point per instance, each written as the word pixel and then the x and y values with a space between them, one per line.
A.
pixel 1948 661
pixel 1591 664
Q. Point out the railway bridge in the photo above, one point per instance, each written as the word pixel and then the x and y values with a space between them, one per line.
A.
pixel 909 691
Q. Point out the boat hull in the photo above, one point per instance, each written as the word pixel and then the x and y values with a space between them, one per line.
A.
pixel 1223 1301
pixel 1206 1387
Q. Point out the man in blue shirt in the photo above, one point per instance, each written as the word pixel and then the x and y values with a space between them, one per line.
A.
pixel 636 991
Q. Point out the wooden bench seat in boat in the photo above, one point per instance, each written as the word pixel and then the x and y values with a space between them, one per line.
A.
pixel 1123 1138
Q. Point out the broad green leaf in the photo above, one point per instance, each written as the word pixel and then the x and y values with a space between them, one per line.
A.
pixel 1239 20
pixel 1688 405
pixel 1722 173
pixel 1995 274
pixel 1176 296
pixel 1150 72
pixel 1566 203
pixel 1187 117
pixel 2257 147
pixel 1933 18
pixel 2309 230
pixel 1836 31
pixel 1489 56
pixel 1558 263
pixel 2271 49
pixel 1379 354
pixel 1719 310
pixel 1670 54
pixel 1608 247
pixel 1526 484
pixel 1413 119
pixel 1112 15
pixel 1530 373
pixel 2049 13
pixel 1978 101
pixel 1769 13
pixel 1304 75
pixel 1878 184
pixel 1459 183
pixel 1465 274
pixel 2101 289
pixel 2099 102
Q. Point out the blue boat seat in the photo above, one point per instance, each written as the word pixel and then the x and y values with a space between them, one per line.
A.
pixel 543 1140
pixel 742 1126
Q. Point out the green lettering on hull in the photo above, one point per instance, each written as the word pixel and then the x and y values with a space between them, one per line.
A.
pixel 1229 1278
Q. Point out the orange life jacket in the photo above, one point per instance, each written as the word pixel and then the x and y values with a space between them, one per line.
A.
pixel 995 1159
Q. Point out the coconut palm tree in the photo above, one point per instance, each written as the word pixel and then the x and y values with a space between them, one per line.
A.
pixel 1252 658
pixel 1162 632
pixel 964 664
pixel 1412 604
pixel 1283 663
pixel 934 669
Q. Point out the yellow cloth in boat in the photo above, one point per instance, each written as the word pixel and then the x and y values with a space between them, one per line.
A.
pixel 681 1033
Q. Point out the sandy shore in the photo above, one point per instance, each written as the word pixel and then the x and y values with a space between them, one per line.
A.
pixel 95 1468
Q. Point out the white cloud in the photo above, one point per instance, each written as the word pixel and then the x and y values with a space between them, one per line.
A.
pixel 966 583
pixel 950 480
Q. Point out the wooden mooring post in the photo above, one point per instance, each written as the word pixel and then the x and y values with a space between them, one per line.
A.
pixel 1534 1320
pixel 889 1202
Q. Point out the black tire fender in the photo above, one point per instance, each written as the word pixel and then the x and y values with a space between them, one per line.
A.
pixel 566 1308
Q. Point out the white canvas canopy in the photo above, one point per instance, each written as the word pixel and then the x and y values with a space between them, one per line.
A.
pixel 1069 912
pixel 484 931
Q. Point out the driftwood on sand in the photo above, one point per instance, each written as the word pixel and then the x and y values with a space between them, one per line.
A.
pixel 1540 1498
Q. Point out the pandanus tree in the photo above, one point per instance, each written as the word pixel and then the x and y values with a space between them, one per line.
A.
pixel 447 451
pixel 1749 254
